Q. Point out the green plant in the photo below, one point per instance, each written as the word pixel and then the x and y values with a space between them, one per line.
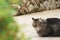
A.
pixel 8 27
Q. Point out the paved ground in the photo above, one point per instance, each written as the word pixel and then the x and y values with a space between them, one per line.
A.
pixel 27 20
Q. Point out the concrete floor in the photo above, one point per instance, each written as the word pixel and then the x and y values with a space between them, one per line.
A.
pixel 27 20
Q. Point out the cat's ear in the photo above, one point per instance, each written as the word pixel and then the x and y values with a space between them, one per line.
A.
pixel 40 19
pixel 33 19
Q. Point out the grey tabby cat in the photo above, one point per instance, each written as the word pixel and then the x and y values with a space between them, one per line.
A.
pixel 47 28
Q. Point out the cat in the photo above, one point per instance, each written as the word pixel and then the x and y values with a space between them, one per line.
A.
pixel 49 27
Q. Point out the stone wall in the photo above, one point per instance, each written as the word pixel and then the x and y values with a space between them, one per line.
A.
pixel 31 6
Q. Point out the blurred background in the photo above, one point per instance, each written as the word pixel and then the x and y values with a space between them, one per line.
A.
pixel 16 17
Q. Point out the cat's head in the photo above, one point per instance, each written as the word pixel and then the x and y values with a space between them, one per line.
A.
pixel 37 23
